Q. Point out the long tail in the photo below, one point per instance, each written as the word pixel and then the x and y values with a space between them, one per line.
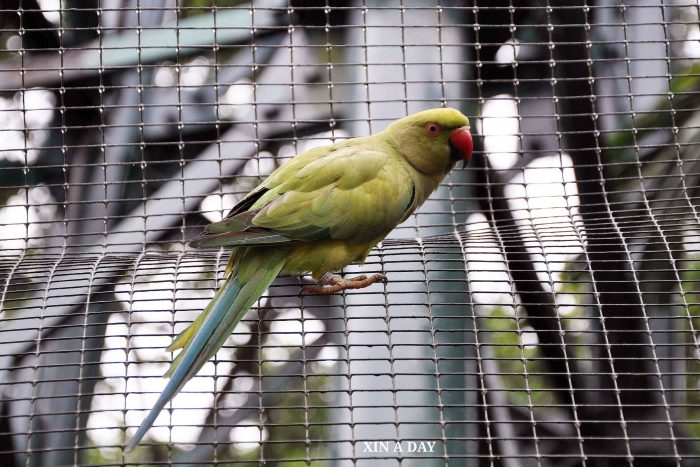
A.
pixel 207 334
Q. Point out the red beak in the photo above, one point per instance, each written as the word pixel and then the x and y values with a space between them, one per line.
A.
pixel 462 143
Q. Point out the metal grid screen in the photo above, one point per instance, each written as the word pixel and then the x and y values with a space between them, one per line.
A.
pixel 541 308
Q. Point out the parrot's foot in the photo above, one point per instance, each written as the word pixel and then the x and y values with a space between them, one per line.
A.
pixel 333 283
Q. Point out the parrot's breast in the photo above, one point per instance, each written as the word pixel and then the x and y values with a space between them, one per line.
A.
pixel 324 256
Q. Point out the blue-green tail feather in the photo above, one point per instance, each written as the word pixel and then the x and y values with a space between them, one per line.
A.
pixel 228 307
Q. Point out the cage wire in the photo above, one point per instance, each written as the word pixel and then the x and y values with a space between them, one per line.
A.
pixel 541 307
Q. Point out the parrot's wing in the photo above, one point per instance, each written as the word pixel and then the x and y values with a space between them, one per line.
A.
pixel 356 193
pixel 352 193
pixel 236 229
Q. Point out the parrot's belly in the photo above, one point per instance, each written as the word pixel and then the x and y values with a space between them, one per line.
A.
pixel 324 256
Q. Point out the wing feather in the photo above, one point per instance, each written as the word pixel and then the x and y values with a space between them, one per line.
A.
pixel 345 192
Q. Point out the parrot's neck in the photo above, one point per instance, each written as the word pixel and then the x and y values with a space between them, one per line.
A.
pixel 424 183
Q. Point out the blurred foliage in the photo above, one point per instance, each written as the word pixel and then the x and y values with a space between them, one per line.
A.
pixel 520 366
pixel 673 110
pixel 655 157
pixel 521 363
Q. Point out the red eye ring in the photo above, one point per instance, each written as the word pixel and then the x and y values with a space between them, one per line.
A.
pixel 432 129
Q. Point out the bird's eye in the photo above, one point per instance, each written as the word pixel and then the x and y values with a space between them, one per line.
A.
pixel 432 129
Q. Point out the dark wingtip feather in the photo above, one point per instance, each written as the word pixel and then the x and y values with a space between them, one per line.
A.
pixel 237 238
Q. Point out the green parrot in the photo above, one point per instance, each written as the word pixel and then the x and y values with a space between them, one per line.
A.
pixel 320 211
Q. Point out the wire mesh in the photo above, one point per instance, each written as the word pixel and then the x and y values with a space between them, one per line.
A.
pixel 541 307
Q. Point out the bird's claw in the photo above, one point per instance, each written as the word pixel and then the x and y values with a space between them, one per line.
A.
pixel 335 284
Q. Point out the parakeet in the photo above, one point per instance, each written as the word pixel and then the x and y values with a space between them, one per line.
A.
pixel 318 212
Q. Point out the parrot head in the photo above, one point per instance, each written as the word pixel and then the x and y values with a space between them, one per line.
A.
pixel 434 140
